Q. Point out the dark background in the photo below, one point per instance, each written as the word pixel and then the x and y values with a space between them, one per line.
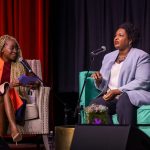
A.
pixel 81 26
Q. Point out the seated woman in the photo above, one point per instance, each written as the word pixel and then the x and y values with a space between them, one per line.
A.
pixel 12 93
pixel 124 77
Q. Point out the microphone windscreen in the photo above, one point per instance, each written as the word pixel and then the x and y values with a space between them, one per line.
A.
pixel 20 59
pixel 103 47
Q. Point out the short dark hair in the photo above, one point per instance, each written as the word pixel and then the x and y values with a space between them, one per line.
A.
pixel 132 32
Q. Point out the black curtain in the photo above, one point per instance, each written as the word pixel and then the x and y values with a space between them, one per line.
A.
pixel 81 26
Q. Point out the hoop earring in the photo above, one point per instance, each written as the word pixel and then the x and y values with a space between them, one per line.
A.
pixel 130 44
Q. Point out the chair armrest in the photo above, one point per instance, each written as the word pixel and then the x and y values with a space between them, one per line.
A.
pixel 90 91
pixel 43 102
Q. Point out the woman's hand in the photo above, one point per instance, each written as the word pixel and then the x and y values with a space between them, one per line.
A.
pixel 14 83
pixel 111 94
pixel 35 85
pixel 98 77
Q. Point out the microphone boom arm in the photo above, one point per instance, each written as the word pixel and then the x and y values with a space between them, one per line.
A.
pixel 38 77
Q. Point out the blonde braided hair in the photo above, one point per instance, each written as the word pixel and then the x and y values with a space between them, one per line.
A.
pixel 3 40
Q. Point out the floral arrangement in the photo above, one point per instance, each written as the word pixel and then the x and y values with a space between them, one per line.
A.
pixel 96 114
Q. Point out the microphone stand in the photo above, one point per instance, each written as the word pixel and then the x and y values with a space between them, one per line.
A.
pixel 29 69
pixel 79 108
pixel 38 78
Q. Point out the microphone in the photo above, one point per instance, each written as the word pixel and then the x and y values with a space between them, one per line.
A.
pixel 25 64
pixel 98 51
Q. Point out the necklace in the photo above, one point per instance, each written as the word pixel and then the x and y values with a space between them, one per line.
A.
pixel 120 59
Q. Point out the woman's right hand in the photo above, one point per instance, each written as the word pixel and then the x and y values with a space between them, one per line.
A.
pixel 97 76
pixel 14 83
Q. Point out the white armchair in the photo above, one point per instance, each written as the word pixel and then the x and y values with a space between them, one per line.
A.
pixel 37 113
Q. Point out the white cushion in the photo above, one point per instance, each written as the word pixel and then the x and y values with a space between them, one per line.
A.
pixel 31 111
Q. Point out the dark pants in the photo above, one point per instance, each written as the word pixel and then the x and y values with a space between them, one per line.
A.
pixel 126 112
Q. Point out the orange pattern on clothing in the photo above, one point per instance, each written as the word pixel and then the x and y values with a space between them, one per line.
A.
pixel 14 96
pixel 1 68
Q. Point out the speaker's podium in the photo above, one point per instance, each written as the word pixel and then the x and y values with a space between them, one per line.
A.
pixel 106 137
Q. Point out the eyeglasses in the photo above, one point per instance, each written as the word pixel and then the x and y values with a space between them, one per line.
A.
pixel 11 48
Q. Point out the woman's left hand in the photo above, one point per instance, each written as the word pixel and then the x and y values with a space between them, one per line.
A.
pixel 111 94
